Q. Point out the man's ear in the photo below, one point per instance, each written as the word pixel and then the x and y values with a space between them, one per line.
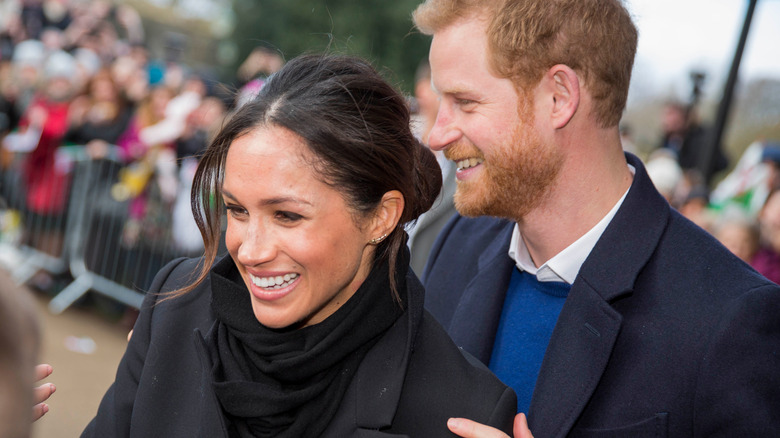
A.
pixel 387 215
pixel 564 86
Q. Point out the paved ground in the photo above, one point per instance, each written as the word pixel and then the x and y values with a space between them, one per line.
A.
pixel 81 378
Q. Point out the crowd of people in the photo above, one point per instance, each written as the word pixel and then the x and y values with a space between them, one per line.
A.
pixel 739 210
pixel 77 76
pixel 79 73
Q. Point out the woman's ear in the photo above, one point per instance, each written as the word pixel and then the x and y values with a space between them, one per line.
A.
pixel 387 215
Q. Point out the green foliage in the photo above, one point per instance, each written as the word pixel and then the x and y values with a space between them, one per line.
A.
pixel 378 30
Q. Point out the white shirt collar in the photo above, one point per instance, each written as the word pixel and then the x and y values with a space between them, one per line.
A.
pixel 565 265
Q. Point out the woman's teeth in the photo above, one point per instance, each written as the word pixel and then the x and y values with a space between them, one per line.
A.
pixel 277 282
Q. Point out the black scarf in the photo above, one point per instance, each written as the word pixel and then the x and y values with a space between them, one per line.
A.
pixel 289 383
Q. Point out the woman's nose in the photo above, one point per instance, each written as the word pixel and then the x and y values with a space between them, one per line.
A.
pixel 257 247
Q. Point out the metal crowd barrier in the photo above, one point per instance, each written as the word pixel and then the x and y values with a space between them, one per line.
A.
pixel 114 239
pixel 36 231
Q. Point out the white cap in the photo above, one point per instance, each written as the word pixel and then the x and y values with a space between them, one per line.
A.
pixel 665 174
pixel 60 65
pixel 88 60
pixel 29 52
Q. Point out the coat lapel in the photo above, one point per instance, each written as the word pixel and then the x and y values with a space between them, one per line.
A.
pixel 576 357
pixel 588 326
pixel 371 401
pixel 475 321
pixel 212 422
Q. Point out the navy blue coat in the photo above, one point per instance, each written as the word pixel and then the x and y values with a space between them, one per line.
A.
pixel 664 332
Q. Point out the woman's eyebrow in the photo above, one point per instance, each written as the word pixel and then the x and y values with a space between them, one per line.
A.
pixel 273 201
pixel 283 199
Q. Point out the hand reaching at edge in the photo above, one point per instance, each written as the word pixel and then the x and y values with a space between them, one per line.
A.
pixel 43 392
pixel 471 429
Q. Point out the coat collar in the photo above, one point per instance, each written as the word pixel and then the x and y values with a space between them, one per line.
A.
pixel 588 326
pixel 630 240
pixel 475 321
pixel 212 422
pixel 371 402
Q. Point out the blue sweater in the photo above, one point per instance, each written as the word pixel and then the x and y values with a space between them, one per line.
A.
pixel 530 311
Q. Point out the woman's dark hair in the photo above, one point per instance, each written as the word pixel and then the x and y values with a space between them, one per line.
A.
pixel 357 127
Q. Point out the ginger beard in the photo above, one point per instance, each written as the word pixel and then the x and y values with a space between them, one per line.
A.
pixel 515 178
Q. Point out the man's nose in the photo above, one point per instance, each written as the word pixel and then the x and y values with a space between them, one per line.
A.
pixel 444 131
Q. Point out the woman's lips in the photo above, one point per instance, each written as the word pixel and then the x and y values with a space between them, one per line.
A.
pixel 273 287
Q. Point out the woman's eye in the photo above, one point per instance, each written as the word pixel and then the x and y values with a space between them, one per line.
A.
pixel 287 216
pixel 235 211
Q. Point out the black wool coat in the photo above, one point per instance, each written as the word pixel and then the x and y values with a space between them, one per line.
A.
pixel 405 386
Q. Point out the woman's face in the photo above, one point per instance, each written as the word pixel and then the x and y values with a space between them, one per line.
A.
pixel 103 90
pixel 159 101
pixel 294 239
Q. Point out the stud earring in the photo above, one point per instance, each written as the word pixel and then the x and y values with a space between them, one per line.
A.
pixel 376 240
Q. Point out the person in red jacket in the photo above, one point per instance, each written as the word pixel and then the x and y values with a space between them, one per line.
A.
pixel 46 180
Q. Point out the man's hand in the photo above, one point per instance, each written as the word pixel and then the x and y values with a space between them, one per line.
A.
pixel 471 429
pixel 43 392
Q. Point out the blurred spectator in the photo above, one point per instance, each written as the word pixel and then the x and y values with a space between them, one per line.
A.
pixel 37 15
pixel 43 127
pixel 252 73
pixel 131 76
pixel 53 39
pixel 19 345
pixel 262 61
pixel 172 126
pixel 24 76
pixel 89 64
pixel 767 258
pixel 740 235
pixel 98 118
pixel 665 173
pixel 695 207
pixel 129 24
pixel 202 125
pixel 687 138
pixel 682 190
pixel 627 140
pixel 141 157
pixel 770 156
pixel 149 113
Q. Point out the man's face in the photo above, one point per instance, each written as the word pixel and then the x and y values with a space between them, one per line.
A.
pixel 673 120
pixel 487 127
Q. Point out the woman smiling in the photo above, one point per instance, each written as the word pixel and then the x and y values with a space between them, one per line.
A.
pixel 313 325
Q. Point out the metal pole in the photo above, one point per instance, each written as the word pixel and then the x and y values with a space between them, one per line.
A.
pixel 728 93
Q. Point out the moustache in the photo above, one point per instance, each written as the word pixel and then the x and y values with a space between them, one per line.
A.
pixel 461 151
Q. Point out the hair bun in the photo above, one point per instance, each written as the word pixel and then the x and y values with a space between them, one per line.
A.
pixel 427 181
